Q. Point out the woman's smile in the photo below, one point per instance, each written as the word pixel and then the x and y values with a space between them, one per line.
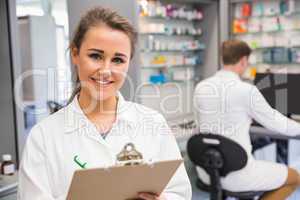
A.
pixel 102 82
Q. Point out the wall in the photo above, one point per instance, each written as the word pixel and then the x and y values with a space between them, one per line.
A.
pixel 224 20
pixel 7 116
pixel 211 37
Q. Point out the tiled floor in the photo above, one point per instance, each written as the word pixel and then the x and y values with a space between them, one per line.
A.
pixel 197 194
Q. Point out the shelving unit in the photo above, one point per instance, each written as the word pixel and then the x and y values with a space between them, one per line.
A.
pixel 272 29
pixel 166 66
pixel 172 48
pixel 168 18
pixel 173 35
pixel 267 32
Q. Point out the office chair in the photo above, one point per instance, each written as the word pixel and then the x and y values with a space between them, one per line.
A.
pixel 218 156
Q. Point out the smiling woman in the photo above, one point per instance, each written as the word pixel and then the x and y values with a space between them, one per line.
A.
pixel 102 40
pixel 98 122
pixel 102 62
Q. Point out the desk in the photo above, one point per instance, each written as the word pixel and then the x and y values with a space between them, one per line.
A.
pixel 8 185
pixel 183 128
pixel 258 131
pixel 281 141
pixel 183 134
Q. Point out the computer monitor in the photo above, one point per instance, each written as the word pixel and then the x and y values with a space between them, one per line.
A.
pixel 282 91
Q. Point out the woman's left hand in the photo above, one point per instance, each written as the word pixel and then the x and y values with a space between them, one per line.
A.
pixel 149 196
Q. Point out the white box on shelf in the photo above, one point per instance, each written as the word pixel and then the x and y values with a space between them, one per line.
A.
pixel 271 8
pixel 255 58
pixel 270 24
pixel 254 25
pixel 238 11
pixel 291 6
pixel 295 40
pixel 281 41
pixel 287 23
pixel 268 40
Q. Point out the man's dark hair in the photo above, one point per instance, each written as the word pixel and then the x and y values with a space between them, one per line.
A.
pixel 234 50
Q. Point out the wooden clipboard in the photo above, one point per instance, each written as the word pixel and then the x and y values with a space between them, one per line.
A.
pixel 121 182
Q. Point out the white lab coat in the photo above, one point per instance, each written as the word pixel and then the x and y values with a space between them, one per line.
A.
pixel 47 164
pixel 226 105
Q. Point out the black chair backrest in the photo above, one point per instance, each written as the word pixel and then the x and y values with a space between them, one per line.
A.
pixel 234 157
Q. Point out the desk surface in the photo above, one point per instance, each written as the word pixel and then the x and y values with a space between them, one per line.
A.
pixel 8 184
pixel 258 131
pixel 182 135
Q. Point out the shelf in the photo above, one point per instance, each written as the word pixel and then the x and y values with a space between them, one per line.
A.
pixel 183 82
pixel 266 32
pixel 173 35
pixel 270 16
pixel 191 81
pixel 175 51
pixel 274 64
pixel 256 33
pixel 264 48
pixel 167 66
pixel 241 1
pixel 204 2
pixel 169 18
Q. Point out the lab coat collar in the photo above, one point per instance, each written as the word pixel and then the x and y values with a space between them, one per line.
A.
pixel 229 74
pixel 128 117
pixel 75 118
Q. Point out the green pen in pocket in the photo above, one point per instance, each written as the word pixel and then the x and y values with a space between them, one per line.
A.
pixel 77 161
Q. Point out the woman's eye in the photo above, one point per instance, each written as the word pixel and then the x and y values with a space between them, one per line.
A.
pixel 95 56
pixel 118 60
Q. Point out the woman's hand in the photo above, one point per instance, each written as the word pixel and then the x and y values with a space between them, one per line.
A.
pixel 149 196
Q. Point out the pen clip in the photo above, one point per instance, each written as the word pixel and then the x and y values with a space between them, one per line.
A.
pixel 76 160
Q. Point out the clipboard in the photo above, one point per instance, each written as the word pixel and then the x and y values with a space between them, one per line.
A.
pixel 121 182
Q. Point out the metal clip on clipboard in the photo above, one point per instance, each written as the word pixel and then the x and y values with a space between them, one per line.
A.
pixel 129 156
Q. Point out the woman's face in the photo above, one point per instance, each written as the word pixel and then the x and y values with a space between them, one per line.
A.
pixel 102 61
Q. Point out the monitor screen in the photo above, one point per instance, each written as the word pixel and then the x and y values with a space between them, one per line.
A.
pixel 282 91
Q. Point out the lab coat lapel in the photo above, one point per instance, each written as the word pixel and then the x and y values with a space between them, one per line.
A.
pixel 123 130
pixel 76 122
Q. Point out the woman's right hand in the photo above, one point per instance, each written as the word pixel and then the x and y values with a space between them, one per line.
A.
pixel 149 196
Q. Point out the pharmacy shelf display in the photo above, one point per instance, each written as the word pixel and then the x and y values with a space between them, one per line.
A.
pixel 169 39
pixel 272 29
pixel 171 49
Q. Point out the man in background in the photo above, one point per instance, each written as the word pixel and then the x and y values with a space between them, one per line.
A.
pixel 226 105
